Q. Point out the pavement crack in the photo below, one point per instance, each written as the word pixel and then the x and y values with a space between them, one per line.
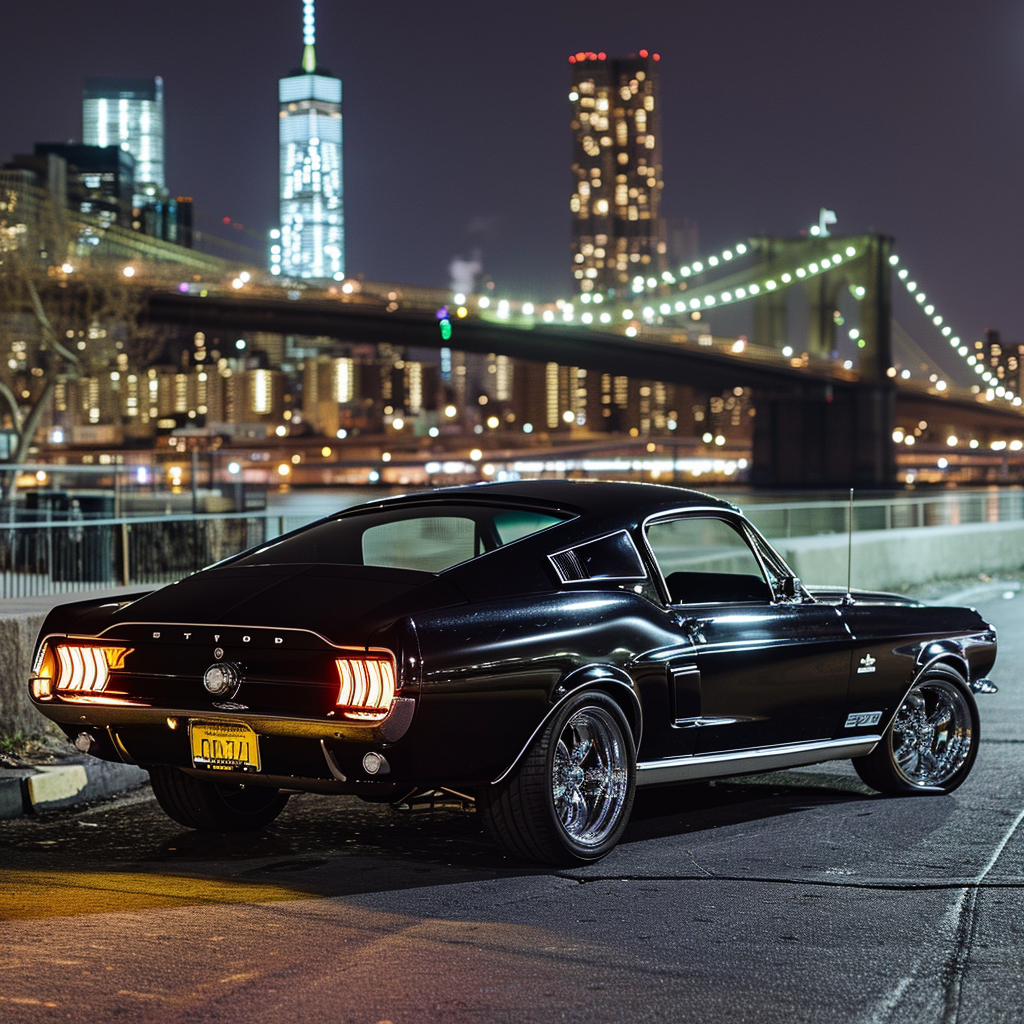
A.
pixel 954 886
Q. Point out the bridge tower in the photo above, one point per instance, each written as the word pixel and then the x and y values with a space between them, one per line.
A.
pixel 836 435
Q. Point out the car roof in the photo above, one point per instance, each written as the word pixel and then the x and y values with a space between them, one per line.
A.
pixel 590 497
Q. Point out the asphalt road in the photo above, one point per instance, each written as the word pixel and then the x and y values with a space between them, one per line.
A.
pixel 799 896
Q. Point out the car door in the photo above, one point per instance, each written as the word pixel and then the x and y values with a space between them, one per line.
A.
pixel 755 670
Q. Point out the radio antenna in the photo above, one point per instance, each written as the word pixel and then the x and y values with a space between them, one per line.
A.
pixel 849 551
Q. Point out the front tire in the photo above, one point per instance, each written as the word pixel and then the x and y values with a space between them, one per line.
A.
pixel 932 741
pixel 214 806
pixel 568 800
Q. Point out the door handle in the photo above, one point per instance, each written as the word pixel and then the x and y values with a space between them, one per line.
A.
pixel 693 628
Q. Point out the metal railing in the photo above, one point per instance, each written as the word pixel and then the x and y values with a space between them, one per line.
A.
pixel 40 558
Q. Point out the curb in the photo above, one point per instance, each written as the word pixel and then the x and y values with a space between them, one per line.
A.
pixel 76 780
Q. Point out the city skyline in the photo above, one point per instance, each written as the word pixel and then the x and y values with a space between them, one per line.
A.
pixel 765 121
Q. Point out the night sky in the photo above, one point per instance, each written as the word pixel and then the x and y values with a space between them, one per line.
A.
pixel 904 117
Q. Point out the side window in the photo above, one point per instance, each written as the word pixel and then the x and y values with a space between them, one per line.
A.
pixel 704 559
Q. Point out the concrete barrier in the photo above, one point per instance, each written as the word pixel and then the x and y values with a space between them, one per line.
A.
pixel 895 559
pixel 18 633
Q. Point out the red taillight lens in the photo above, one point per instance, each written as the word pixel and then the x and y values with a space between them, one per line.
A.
pixel 366 686
pixel 83 668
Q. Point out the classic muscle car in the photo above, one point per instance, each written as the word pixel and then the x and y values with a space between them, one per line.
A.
pixel 541 647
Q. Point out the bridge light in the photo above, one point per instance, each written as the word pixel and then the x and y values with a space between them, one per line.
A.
pixel 786 278
pixel 664 309
pixel 648 312
pixel 698 267
pixel 850 251
pixel 548 316
pixel 587 318
pixel 771 285
pixel 813 268
pixel 815 230
pixel 936 320
pixel 741 293
pixel 971 361
pixel 713 261
pixel 606 318
pixel 128 271
pixel 652 283
pixel 929 309
pixel 800 272
pixel 947 331
pixel 245 276
pixel 893 260
pixel 726 296
pixel 631 331
pixel 527 309
pixel 681 306
pixel 504 309
pixel 685 271
pixel 741 248
pixel 627 314
pixel 727 255
pixel 903 274
pixel 709 300
pixel 483 302
pixel 962 350
pixel 694 303
pixel 911 287
pixel 940 385
pixel 920 296
pixel 754 289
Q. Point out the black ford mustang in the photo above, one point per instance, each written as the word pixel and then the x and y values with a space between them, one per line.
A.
pixel 544 647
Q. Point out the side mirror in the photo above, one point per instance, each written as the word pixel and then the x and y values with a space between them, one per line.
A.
pixel 792 588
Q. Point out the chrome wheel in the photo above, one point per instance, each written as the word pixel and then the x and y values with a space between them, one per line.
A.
pixel 932 734
pixel 590 776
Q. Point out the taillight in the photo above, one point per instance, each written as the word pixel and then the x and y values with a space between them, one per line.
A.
pixel 366 686
pixel 83 668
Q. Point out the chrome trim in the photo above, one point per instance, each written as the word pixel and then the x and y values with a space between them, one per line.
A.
pixel 732 516
pixel 760 759
pixel 589 685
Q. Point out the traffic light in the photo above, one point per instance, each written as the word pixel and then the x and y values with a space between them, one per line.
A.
pixel 444 323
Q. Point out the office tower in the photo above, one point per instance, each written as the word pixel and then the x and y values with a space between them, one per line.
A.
pixel 616 171
pixel 311 239
pixel 98 181
pixel 129 113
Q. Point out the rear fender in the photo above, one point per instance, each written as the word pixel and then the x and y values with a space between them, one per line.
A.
pixel 604 678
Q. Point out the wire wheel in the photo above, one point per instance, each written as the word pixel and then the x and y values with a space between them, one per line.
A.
pixel 590 776
pixel 932 735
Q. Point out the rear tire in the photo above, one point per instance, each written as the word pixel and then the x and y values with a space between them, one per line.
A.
pixel 568 800
pixel 214 806
pixel 932 741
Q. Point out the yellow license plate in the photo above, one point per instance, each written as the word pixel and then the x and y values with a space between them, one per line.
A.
pixel 224 745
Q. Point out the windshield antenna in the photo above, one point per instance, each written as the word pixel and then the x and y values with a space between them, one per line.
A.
pixel 849 552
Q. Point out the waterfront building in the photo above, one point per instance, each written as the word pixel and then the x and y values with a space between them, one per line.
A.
pixel 617 234
pixel 311 239
pixel 129 113
pixel 98 181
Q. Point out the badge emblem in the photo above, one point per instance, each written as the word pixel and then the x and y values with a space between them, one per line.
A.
pixel 867 664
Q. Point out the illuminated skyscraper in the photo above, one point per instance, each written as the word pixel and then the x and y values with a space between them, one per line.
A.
pixel 311 242
pixel 616 170
pixel 129 112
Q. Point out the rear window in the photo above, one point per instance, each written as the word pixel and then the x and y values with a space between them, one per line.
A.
pixel 428 538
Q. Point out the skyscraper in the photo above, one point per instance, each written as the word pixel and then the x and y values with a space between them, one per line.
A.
pixel 129 112
pixel 311 242
pixel 616 170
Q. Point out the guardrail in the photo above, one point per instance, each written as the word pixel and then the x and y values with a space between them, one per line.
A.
pixel 39 558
